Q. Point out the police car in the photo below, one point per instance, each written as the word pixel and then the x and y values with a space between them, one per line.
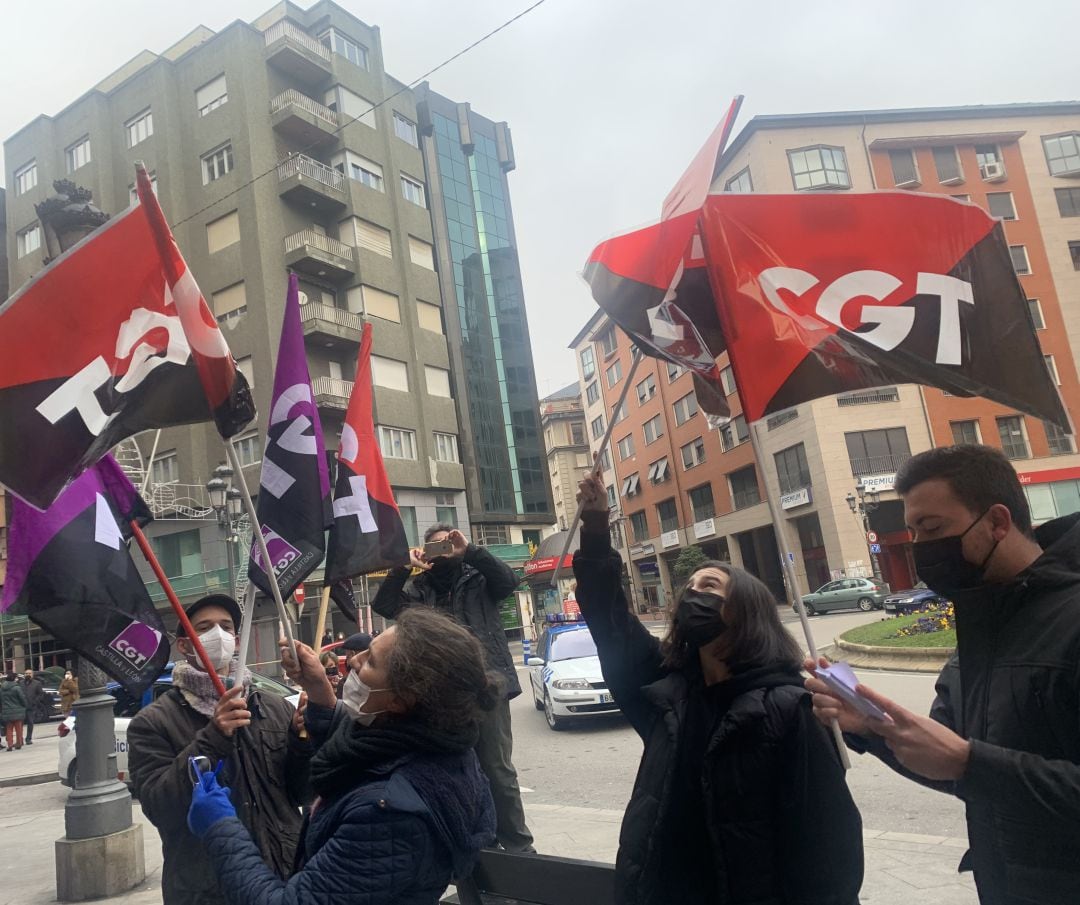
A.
pixel 565 675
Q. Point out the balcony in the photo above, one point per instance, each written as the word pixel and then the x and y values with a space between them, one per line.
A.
pixel 296 53
pixel 303 119
pixel 192 587
pixel 319 255
pixel 876 465
pixel 332 392
pixel 869 397
pixel 311 183
pixel 331 327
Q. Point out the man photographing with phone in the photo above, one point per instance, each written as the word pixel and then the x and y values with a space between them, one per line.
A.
pixel 470 584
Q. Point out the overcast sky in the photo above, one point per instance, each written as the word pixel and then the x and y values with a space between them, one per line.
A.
pixel 608 100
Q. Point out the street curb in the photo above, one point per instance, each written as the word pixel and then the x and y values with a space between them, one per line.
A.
pixel 30 779
pixel 910 659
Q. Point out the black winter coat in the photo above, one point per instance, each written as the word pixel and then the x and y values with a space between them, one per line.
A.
pixel 1013 690
pixel 478 591
pixel 268 778
pixel 780 823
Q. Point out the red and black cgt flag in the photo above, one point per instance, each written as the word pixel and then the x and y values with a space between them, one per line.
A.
pixel 112 338
pixel 367 534
pixel 826 293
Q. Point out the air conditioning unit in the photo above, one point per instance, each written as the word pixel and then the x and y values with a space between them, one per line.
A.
pixel 992 172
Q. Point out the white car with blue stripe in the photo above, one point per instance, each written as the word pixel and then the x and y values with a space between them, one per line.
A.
pixel 565 675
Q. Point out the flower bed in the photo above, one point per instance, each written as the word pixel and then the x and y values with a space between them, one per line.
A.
pixel 896 632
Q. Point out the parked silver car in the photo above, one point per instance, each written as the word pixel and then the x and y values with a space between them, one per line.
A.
pixel 865 594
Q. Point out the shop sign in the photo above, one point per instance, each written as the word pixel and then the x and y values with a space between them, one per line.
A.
pixel 704 528
pixel 642 549
pixel 547 564
pixel 796 498
pixel 878 482
pixel 670 538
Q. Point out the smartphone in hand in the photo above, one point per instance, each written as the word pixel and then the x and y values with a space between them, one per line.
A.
pixel 438 548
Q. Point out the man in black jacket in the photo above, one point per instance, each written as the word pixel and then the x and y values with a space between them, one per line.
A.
pixel 470 584
pixel 34 692
pixel 1003 734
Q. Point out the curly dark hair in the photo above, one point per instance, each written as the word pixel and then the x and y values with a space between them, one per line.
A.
pixel 437 666
pixel 754 636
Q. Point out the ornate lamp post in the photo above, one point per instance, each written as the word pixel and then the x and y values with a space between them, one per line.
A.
pixel 228 503
pixel 866 503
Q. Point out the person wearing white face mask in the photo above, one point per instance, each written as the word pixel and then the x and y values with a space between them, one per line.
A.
pixel 255 736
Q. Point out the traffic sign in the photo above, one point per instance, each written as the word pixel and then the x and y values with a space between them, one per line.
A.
pixel 871 537
pixel 875 548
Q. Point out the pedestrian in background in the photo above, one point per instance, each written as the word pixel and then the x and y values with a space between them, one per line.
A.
pixel 740 797
pixel 69 693
pixel 355 644
pixel 34 692
pixel 13 711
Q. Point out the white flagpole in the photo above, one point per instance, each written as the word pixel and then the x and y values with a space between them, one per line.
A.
pixel 245 628
pixel 150 464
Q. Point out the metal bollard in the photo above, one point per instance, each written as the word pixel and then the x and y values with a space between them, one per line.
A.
pixel 526 646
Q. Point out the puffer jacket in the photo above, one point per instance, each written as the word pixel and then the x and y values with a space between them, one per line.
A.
pixel 1013 690
pixel 399 837
pixel 12 702
pixel 781 825
pixel 476 597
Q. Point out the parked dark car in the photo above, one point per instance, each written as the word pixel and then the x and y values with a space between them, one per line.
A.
pixel 865 594
pixel 912 600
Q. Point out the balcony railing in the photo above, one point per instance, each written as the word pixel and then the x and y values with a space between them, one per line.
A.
pixel 313 311
pixel 878 464
pixel 292 97
pixel 319 241
pixel 198 584
pixel 870 397
pixel 290 32
pixel 301 165
pixel 332 386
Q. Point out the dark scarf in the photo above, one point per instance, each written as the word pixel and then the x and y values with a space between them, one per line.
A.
pixel 354 751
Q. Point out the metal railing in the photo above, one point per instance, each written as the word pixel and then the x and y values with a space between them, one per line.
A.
pixel 289 32
pixel 332 386
pixel 319 241
pixel 878 464
pixel 292 97
pixel 313 311
pixel 301 165
pixel 196 585
pixel 181 501
pixel 870 397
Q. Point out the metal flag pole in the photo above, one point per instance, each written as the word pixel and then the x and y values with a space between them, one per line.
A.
pixel 150 463
pixel 635 360
pixel 788 566
pixel 245 628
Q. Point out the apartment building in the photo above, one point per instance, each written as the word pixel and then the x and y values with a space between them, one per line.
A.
pixel 833 461
pixel 562 420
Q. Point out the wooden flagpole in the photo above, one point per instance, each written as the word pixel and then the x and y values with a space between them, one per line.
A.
pixel 320 623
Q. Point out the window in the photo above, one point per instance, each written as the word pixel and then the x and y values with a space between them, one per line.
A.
pixel 78 154
pixel 740 182
pixel 668 514
pixel 734 433
pixel 626 447
pixel 245 367
pixel 630 485
pixel 133 190
pixel 727 380
pixel 819 168
pixel 588 362
pixel 947 166
pixel 989 159
pixel 701 502
pixel 792 469
pixel 446 449
pixel 396 443
pixel 1060 443
pixel 211 96
pixel 653 429
pixel 577 433
pixel 139 128
pixel 179 553
pixel 1000 205
pixel 413 191
pixel 25 177
pixel 1051 366
pixel 685 408
pixel 612 497
pixel 408 522
pixel 607 342
pixel 405 129
pixel 744 487
pixel 223 232
pixel 613 373
pixel 230 303
pixel 380 304
pixel 646 389
pixel 674 372
pixel 445 509
pixel 345 46
pixel 389 373
pixel 421 253
pixel 1013 441
pixel 693 453
pixel 605 459
pixel 1063 153
pixel 961 197
pixel 361 170
pixel 965 432
pixel 248 449
pixel 1068 201
pixel 1035 310
pixel 352 107
pixel 639 526
pixel 1019 256
pixel 217 163
pixel 438 381
pixel 658 471
pixel 429 317
pixel 165 469
pixel 597 427
pixel 27 240
pixel 903 166
pixel 1074 253
pixel 877 451
pixel 372 237
pixel 592 393
pixel 618 413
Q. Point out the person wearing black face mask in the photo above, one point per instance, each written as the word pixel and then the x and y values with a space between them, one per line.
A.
pixel 1004 731
pixel 737 779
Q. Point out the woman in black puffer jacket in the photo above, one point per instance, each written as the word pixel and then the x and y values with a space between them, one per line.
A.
pixel 740 797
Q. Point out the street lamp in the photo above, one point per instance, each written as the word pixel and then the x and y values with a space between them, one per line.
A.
pixel 866 503
pixel 228 504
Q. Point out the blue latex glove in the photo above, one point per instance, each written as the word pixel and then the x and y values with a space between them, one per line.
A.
pixel 209 803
